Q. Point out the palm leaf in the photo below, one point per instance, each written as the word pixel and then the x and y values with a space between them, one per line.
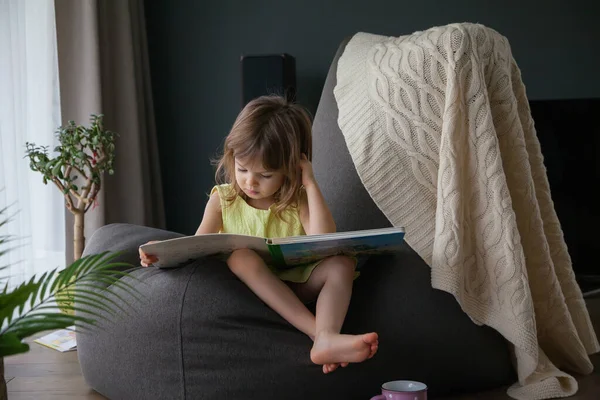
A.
pixel 16 300
pixel 117 284
pixel 11 344
pixel 32 324
pixel 102 270
pixel 90 280
pixel 3 240
pixel 84 295
pixel 45 285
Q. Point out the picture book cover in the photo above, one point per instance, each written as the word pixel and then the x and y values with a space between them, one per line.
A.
pixel 296 253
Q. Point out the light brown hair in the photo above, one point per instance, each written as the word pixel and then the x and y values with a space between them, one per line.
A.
pixel 276 131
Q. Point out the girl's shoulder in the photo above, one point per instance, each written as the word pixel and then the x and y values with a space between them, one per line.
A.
pixel 224 191
pixel 223 188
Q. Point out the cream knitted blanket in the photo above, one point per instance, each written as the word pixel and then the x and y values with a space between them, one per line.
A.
pixel 439 129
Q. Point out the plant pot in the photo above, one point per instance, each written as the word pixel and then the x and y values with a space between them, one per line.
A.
pixel 3 394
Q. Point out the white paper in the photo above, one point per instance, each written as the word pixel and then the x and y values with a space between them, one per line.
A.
pixel 174 252
pixel 61 340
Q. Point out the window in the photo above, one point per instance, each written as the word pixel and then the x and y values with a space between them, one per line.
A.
pixel 29 111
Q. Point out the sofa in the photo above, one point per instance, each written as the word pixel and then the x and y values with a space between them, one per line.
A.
pixel 197 332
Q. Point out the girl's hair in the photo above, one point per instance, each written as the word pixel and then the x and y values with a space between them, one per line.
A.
pixel 276 131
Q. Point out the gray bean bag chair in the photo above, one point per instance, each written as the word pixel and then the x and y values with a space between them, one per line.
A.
pixel 200 333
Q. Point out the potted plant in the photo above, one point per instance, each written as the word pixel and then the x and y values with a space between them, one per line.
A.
pixel 84 154
pixel 29 308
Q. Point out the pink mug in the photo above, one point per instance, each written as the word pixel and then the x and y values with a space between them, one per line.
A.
pixel 402 390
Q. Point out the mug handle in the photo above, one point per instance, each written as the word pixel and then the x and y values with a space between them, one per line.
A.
pixel 378 397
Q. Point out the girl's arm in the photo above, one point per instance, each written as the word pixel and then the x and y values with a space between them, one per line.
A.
pixel 211 223
pixel 212 220
pixel 314 212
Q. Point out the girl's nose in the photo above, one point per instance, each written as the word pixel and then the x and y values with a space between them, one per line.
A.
pixel 252 181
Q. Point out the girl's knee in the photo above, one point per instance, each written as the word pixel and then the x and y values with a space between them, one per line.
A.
pixel 243 254
pixel 341 267
pixel 243 261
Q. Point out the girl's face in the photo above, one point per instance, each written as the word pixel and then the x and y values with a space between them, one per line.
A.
pixel 255 181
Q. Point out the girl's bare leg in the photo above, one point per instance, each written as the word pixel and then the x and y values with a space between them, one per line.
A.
pixel 251 269
pixel 332 282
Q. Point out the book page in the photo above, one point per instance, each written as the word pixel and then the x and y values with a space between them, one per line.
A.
pixel 61 340
pixel 337 235
pixel 174 252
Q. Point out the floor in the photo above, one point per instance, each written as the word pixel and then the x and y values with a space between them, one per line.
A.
pixel 46 374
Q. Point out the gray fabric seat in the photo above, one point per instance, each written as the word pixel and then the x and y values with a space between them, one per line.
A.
pixel 200 333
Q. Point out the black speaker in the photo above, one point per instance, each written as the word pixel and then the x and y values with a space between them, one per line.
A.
pixel 268 74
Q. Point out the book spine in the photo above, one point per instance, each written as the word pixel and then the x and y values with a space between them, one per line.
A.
pixel 276 254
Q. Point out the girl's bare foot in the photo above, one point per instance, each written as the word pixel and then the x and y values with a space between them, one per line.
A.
pixel 335 348
pixel 374 348
pixel 327 368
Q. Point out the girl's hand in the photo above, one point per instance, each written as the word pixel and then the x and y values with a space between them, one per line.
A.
pixel 308 177
pixel 147 259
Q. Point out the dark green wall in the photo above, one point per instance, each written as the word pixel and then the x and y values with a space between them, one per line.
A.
pixel 195 48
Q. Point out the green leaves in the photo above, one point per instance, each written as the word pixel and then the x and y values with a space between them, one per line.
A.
pixel 38 157
pixel 94 286
pixel 16 300
pixel 91 280
pixel 11 344
pixel 83 152
pixel 4 239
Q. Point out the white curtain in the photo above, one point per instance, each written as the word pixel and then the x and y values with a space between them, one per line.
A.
pixel 29 112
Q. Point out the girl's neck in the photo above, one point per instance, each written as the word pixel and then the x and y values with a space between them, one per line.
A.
pixel 261 204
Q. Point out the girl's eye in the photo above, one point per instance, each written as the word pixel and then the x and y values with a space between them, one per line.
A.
pixel 241 170
pixel 266 176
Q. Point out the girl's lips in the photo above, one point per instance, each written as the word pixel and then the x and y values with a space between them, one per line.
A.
pixel 250 191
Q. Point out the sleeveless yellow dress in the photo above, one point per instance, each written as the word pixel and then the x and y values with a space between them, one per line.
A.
pixel 241 218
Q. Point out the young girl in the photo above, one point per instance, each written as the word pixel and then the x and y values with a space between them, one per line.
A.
pixel 270 191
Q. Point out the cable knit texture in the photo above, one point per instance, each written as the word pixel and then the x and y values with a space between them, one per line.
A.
pixel 439 129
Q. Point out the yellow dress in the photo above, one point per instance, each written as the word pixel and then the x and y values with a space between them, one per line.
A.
pixel 241 218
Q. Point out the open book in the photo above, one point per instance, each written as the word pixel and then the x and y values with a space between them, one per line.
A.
pixel 61 340
pixel 281 252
